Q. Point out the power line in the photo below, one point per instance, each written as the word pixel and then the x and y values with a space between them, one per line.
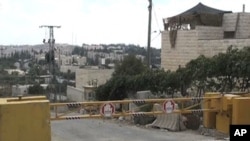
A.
pixel 156 19
pixel 156 36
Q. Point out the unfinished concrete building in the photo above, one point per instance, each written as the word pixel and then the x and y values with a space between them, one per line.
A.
pixel 202 30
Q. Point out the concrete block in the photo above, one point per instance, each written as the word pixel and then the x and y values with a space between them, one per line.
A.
pixel 240 111
pixel 25 120
pixel 222 123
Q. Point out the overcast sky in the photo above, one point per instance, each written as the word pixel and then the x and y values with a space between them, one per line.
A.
pixel 94 21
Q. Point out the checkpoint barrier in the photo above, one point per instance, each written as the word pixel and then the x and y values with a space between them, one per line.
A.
pixel 233 109
pixel 218 110
pixel 101 111
pixel 34 115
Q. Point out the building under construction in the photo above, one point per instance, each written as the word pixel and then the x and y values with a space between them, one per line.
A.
pixel 202 30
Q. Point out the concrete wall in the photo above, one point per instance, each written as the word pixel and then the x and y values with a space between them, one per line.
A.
pixel 66 68
pixel 19 90
pixel 66 60
pixel 89 92
pixel 81 61
pixel 83 76
pixel 75 94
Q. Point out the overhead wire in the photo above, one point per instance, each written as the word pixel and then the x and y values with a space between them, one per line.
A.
pixel 155 17
pixel 156 36
pixel 157 23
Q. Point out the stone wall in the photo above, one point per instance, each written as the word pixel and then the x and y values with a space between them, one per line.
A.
pixel 209 32
pixel 243 30
pixel 212 47
pixel 229 21
pixel 185 49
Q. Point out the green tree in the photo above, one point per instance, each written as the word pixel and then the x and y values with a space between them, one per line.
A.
pixel 121 83
pixel 129 66
pixel 223 72
pixel 79 51
pixel 36 89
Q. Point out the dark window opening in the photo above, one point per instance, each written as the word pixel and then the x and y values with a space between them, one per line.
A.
pixel 229 34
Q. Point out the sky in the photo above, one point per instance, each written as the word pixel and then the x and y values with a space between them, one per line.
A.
pixel 94 21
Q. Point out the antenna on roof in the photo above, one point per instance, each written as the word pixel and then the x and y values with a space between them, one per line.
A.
pixel 243 8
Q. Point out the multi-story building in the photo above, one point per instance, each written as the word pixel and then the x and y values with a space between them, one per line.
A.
pixel 202 30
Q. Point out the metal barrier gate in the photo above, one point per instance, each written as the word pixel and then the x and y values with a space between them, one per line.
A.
pixel 107 109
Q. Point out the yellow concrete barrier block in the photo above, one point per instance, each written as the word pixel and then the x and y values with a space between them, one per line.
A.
pixel 27 119
pixel 209 118
pixel 246 95
pixel 241 111
pixel 227 101
pixel 215 103
pixel 26 98
pixel 222 122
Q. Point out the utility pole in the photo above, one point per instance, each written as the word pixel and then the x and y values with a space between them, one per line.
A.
pixel 51 42
pixel 149 34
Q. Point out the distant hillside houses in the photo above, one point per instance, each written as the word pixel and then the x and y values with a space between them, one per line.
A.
pixel 92 46
pixel 71 57
pixel 9 50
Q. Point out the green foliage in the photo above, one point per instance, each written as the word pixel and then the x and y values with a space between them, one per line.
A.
pixel 79 51
pixel 36 89
pixel 50 57
pixel 131 76
pixel 59 88
pixel 7 63
pixel 134 50
pixel 69 75
pixel 223 72
pixel 24 54
pixel 114 89
pixel 129 66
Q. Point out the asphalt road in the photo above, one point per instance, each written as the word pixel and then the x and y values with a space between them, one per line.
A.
pixel 103 130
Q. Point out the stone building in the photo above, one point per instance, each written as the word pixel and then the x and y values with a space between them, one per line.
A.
pixel 92 76
pixel 86 93
pixel 202 30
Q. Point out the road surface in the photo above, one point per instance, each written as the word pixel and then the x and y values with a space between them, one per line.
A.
pixel 106 130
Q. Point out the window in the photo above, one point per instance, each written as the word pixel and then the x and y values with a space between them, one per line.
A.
pixel 229 34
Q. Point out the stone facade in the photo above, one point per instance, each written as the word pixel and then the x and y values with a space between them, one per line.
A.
pixel 205 40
